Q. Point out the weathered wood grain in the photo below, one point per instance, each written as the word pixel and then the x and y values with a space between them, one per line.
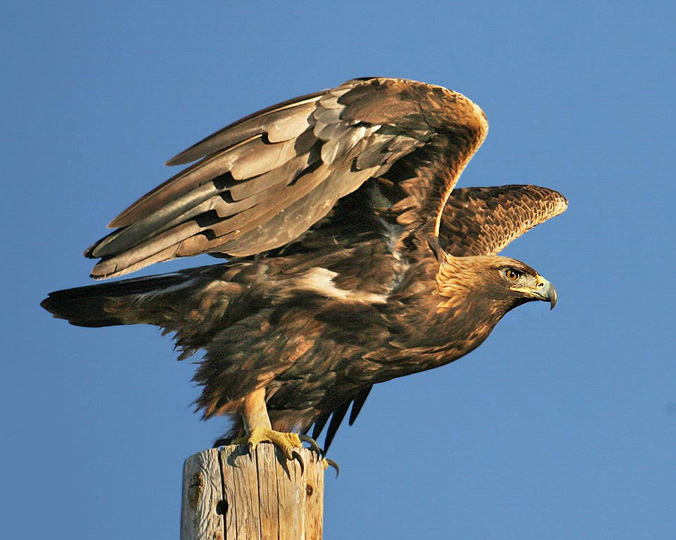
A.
pixel 229 494
pixel 202 493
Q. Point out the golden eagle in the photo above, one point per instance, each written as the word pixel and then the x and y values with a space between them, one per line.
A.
pixel 351 258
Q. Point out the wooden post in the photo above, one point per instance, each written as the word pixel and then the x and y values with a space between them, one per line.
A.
pixel 229 494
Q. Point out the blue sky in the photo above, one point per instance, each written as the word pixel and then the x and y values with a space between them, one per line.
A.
pixel 562 425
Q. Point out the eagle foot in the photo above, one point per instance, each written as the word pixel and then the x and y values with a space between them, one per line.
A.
pixel 288 443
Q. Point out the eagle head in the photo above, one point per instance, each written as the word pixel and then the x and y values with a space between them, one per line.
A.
pixel 502 282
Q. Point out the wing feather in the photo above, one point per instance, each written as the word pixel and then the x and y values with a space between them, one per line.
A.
pixel 266 179
pixel 358 403
pixel 336 420
pixel 265 159
pixel 484 220
pixel 319 425
pixel 280 122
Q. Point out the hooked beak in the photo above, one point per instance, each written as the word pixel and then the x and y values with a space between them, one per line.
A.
pixel 543 290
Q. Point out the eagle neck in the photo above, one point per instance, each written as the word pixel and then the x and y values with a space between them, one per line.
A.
pixel 436 329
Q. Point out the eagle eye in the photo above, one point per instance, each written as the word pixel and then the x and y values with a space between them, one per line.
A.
pixel 512 275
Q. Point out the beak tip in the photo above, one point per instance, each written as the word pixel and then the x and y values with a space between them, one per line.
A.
pixel 547 292
pixel 553 297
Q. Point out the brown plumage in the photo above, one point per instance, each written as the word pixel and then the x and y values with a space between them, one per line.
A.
pixel 352 260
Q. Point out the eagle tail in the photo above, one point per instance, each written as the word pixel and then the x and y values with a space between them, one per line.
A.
pixel 90 306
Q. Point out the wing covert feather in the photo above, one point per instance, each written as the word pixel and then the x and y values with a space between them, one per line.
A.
pixel 484 220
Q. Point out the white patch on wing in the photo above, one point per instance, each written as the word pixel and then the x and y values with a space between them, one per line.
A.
pixel 320 281
pixel 163 290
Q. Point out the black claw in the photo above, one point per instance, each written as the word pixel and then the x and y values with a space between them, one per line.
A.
pixel 334 465
pixel 295 455
pixel 313 444
pixel 221 441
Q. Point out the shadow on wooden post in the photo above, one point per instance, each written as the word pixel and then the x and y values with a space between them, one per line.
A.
pixel 230 495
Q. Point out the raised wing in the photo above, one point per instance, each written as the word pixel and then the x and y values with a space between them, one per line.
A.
pixel 483 220
pixel 266 179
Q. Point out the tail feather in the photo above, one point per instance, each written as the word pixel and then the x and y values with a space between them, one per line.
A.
pixel 87 306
